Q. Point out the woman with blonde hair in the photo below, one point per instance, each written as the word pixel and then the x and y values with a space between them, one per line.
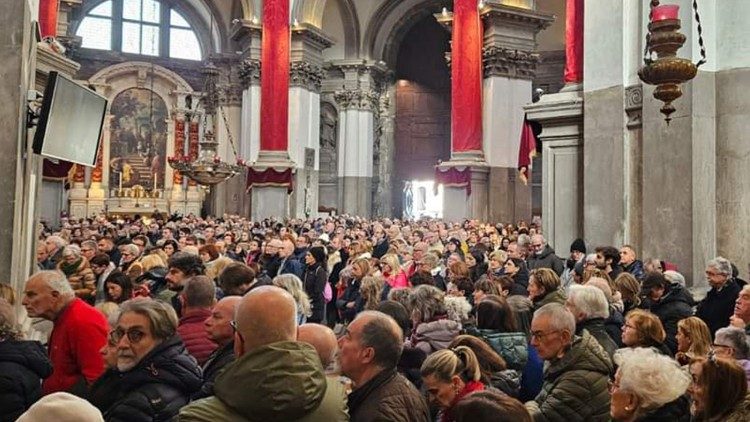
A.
pixel 370 292
pixel 693 340
pixel 292 284
pixel 629 289
pixel 394 275
pixel 449 375
pixel 544 288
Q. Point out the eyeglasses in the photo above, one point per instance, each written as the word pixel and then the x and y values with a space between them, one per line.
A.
pixel 133 335
pixel 541 334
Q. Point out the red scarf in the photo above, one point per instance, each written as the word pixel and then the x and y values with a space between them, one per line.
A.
pixel 469 388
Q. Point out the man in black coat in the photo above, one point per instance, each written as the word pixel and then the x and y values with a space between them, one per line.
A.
pixel 718 305
pixel 670 302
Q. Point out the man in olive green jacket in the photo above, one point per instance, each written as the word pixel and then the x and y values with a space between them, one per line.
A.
pixel 576 371
pixel 275 378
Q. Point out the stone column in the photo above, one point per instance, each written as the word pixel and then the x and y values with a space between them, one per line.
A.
pixel 249 145
pixel 357 102
pixel 509 65
pixel 180 133
pixel 385 148
pixel 308 43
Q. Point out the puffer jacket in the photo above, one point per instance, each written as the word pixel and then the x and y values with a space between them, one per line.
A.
pixel 741 411
pixel 512 347
pixel 22 365
pixel 387 397
pixel 575 386
pixel 558 296
pixel 595 327
pixel 435 335
pixel 673 307
pixel 282 381
pixel 154 390
pixel 636 269
pixel 81 278
pixel 194 336
pixel 547 259
pixel 675 411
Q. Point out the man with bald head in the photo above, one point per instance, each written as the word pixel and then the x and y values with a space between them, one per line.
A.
pixel 219 330
pixel 79 332
pixel 274 377
pixel 323 340
pixel 369 351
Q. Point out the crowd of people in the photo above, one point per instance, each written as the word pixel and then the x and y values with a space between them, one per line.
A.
pixel 162 318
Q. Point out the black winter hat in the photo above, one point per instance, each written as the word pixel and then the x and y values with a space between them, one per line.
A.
pixel 319 253
pixel 578 245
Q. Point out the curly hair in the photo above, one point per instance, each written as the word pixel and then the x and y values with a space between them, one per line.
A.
pixel 371 290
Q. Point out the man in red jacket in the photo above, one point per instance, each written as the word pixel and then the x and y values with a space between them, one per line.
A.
pixel 79 332
pixel 197 298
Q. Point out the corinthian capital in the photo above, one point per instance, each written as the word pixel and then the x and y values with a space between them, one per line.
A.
pixel 348 99
pixel 498 61
pixel 306 75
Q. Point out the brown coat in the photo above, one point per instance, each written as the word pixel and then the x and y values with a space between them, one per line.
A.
pixel 82 281
pixel 388 397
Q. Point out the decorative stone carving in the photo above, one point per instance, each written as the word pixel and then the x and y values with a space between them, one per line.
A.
pixel 306 75
pixel 249 71
pixel 231 95
pixel 367 100
pixel 634 105
pixel 497 61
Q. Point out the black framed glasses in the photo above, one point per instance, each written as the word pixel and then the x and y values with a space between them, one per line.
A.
pixel 134 335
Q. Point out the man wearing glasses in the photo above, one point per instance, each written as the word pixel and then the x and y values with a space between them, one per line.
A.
pixel 79 332
pixel 718 306
pixel 576 373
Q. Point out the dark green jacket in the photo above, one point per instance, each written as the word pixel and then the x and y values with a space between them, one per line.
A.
pixel 512 347
pixel 558 296
pixel 280 382
pixel 575 386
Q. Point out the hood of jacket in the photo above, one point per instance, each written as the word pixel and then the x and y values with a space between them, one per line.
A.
pixel 676 294
pixel 677 411
pixel 30 354
pixel 585 354
pixel 281 381
pixel 169 363
pixel 558 296
pixel 438 333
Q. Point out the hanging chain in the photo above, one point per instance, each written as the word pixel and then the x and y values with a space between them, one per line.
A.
pixel 700 35
pixel 646 53
pixel 229 132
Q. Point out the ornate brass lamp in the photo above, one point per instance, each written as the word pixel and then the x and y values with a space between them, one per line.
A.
pixel 667 72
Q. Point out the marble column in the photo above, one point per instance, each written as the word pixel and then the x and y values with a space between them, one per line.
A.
pixel 249 142
pixel 357 104
pixel 306 75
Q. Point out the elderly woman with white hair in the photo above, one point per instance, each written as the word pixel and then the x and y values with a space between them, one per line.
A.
pixel 590 308
pixel 647 387
pixel 79 273
pixel 732 343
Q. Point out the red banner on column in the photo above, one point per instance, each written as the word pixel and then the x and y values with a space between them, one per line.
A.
pixel 48 17
pixel 526 152
pixel 274 76
pixel 270 177
pixel 466 77
pixel 574 41
pixel 453 177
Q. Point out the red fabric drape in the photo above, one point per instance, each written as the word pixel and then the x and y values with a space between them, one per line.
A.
pixel 274 76
pixel 454 177
pixel 270 177
pixel 56 171
pixel 179 147
pixel 527 151
pixel 574 41
pixel 48 17
pixel 466 77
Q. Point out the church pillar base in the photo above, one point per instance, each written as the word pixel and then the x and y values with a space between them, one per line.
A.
pixel 458 204
pixel 78 201
pixel 509 200
pixel 95 204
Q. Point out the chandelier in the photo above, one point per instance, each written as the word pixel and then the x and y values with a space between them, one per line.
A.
pixel 207 168
pixel 667 72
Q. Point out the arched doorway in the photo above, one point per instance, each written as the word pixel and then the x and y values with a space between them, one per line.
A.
pixel 423 105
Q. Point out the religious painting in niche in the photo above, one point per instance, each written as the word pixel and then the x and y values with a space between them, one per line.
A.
pixel 138 142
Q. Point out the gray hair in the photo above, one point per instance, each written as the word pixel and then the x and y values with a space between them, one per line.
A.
pixel 199 292
pixel 590 258
pixel 523 241
pixel 56 281
pixel 540 237
pixel 161 316
pixel 74 250
pixel 384 335
pixel 721 264
pixel 8 327
pixel 589 300
pixel 292 284
pixel 560 317
pixel 735 338
pixel 430 259
pixel 427 301
pixel 654 378
pixel 91 244
pixel 132 249
pixel 674 277
pixel 57 240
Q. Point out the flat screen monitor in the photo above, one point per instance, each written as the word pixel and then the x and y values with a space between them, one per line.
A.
pixel 70 122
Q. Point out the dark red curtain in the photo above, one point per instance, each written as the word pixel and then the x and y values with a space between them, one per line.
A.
pixel 274 76
pixel 454 177
pixel 48 17
pixel 527 151
pixel 466 77
pixel 270 177
pixel 56 171
pixel 574 41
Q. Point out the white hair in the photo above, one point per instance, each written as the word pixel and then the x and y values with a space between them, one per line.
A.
pixel 674 277
pixel 74 250
pixel 654 378
pixel 58 241
pixel 457 308
pixel 560 317
pixel 589 300
pixel 735 338
pixel 131 249
pixel 590 258
pixel 57 281
pixel 721 264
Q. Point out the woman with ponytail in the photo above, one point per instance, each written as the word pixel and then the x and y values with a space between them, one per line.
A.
pixel 449 375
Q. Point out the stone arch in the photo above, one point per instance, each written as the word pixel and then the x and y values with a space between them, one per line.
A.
pixel 311 11
pixel 391 22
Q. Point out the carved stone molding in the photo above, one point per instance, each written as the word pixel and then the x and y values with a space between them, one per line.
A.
pixel 231 95
pixel 634 105
pixel 306 75
pixel 249 72
pixel 497 61
pixel 368 100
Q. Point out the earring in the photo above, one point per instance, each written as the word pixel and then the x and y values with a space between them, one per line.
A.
pixel 628 408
